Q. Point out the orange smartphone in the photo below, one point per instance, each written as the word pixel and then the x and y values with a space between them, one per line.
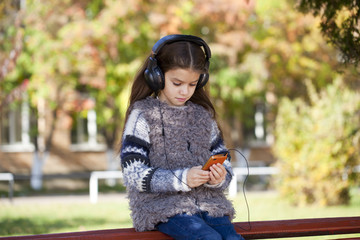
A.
pixel 218 158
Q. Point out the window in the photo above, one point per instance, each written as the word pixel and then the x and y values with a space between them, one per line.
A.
pixel 15 127
pixel 84 136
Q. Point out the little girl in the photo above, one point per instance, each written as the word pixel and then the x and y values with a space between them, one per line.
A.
pixel 170 132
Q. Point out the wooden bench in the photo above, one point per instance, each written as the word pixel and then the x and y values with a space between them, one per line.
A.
pixel 258 230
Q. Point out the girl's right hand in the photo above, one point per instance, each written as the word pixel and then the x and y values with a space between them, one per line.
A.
pixel 196 177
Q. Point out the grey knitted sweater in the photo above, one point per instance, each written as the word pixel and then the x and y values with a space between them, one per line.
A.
pixel 160 144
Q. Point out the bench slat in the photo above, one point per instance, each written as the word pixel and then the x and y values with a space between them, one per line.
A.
pixel 299 227
pixel 259 230
pixel 113 234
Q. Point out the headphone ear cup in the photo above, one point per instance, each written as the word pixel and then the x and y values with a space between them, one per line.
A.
pixel 203 79
pixel 154 76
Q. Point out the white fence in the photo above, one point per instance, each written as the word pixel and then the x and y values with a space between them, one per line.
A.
pixel 94 182
pixel 239 174
pixel 8 177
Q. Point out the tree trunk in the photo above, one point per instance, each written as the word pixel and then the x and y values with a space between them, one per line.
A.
pixel 37 169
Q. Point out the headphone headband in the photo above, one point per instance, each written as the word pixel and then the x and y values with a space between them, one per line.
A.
pixel 180 37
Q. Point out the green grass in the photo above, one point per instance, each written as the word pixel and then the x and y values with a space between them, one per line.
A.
pixel 269 206
pixel 39 218
pixel 22 189
pixel 53 217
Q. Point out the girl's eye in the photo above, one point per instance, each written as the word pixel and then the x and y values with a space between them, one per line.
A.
pixel 191 84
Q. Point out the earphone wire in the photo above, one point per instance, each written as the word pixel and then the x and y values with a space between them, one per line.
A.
pixel 167 162
pixel 164 140
pixel 244 188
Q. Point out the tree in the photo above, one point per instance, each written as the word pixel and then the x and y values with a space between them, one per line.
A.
pixel 296 55
pixel 318 145
pixel 339 24
pixel 48 61
pixel 11 44
pixel 75 48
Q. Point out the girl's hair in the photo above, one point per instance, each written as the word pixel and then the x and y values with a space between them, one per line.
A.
pixel 183 54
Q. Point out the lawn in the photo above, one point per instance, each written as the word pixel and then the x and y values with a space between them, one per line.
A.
pixel 23 218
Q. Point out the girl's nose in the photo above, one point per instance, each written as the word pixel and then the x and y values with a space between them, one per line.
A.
pixel 184 90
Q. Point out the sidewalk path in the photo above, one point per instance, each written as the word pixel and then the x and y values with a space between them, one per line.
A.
pixel 71 198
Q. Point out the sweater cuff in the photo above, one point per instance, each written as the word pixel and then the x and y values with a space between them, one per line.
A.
pixel 185 186
pixel 219 185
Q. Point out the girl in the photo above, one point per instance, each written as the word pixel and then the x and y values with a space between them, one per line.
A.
pixel 170 132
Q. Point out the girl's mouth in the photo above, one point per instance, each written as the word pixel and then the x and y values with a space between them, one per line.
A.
pixel 181 99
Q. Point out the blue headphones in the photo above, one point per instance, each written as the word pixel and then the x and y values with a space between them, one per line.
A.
pixel 153 74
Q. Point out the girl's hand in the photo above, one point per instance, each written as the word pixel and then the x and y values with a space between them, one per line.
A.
pixel 217 174
pixel 197 177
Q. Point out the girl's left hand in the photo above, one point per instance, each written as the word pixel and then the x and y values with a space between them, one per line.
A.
pixel 217 174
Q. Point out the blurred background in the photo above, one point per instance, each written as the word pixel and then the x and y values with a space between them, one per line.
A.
pixel 284 78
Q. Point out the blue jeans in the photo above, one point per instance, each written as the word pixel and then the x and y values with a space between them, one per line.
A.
pixel 199 226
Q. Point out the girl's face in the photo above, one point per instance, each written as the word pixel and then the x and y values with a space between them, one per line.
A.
pixel 180 85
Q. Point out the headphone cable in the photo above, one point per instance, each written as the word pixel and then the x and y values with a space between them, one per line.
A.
pixel 243 187
pixel 244 183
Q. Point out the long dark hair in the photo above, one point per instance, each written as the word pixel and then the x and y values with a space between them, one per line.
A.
pixel 183 54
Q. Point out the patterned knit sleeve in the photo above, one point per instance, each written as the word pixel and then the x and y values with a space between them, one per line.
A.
pixel 136 166
pixel 218 147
